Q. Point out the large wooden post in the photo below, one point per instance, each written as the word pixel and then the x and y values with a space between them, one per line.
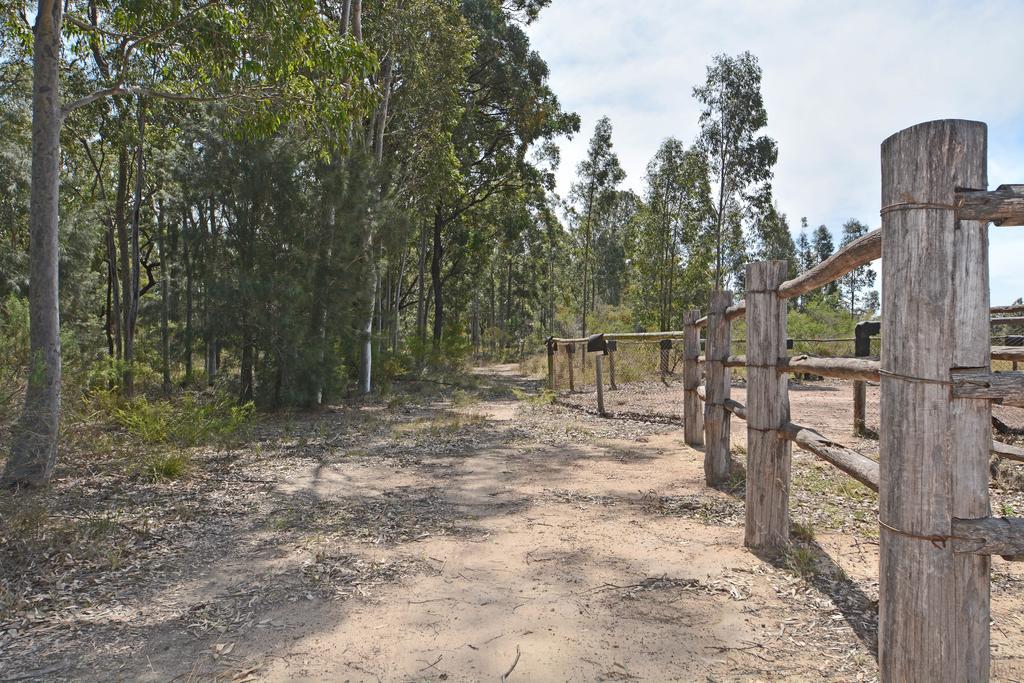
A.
pixel 665 345
pixel 570 349
pixel 693 413
pixel 551 346
pixel 768 454
pixel 613 347
pixel 862 349
pixel 717 460
pixel 934 605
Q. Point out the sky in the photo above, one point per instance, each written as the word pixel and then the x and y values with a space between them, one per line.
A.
pixel 839 77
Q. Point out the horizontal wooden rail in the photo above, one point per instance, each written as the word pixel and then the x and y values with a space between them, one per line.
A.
pixel 1003 310
pixel 1007 387
pixel 843 368
pixel 857 465
pixel 857 253
pixel 736 311
pixel 626 336
pixel 1008 353
pixel 1008 321
pixel 860 467
pixel 1005 450
pixel 1002 206
pixel 732 405
pixel 989 536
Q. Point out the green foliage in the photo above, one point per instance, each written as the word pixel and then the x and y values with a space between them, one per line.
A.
pixel 14 355
pixel 822 320
pixel 596 227
pixel 168 466
pixel 184 422
pixel 669 238
pixel 802 561
pixel 803 531
pixel 732 115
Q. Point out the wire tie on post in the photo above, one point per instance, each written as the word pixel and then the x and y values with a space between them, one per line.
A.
pixel 909 206
pixel 937 540
pixel 921 380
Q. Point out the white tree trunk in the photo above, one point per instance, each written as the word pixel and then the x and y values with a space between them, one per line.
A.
pixel 34 452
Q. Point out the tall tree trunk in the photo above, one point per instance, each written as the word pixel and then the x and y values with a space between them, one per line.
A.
pixel 124 254
pixel 397 312
pixel 421 285
pixel 721 213
pixel 366 337
pixel 34 450
pixel 245 229
pixel 212 352
pixel 320 285
pixel 435 279
pixel 186 238
pixel 165 298
pixel 114 287
pixel 132 300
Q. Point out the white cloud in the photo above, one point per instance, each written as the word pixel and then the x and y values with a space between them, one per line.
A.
pixel 839 77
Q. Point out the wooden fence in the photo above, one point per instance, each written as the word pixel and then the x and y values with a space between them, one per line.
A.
pixel 936 530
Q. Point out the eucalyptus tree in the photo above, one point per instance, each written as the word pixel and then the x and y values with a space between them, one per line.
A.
pixel 856 286
pixel 668 245
pixel 822 246
pixel 740 159
pixel 594 195
pixel 507 108
pixel 770 231
pixel 266 60
pixel 409 140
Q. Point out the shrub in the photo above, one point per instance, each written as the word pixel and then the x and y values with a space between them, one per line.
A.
pixel 187 421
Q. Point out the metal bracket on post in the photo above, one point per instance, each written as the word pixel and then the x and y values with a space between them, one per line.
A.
pixel 596 342
pixel 862 349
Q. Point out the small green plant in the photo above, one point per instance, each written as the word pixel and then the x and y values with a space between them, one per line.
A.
pixel 168 466
pixel 463 398
pixel 1007 510
pixel 803 531
pixel 114 558
pixel 801 561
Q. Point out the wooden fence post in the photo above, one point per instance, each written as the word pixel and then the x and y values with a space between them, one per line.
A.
pixel 550 343
pixel 717 460
pixel 768 454
pixel 933 605
pixel 666 348
pixel 600 384
pixel 613 346
pixel 693 413
pixel 862 349
pixel 570 349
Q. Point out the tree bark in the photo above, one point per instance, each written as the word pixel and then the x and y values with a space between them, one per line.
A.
pixel 114 322
pixel 124 253
pixel 421 286
pixel 165 299
pixel 189 269
pixel 132 293
pixel 435 278
pixel 34 451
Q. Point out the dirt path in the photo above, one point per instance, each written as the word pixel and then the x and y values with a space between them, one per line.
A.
pixel 489 535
